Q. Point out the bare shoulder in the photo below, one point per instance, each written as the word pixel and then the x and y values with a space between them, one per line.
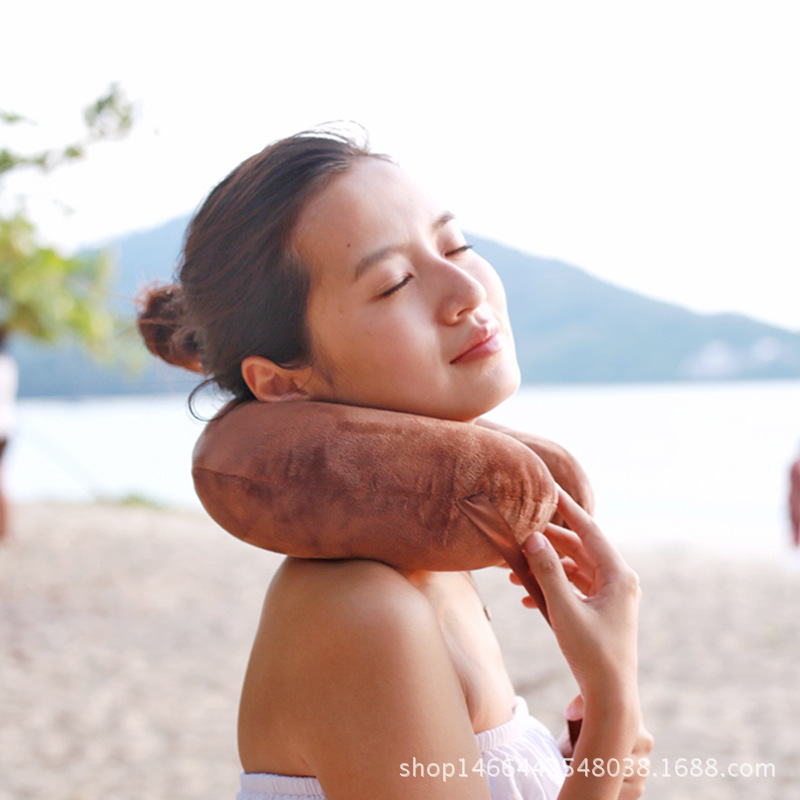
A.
pixel 349 666
pixel 347 614
pixel 348 595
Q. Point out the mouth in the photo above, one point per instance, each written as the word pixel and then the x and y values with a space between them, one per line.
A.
pixel 483 342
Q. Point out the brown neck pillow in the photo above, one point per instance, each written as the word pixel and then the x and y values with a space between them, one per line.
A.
pixel 322 480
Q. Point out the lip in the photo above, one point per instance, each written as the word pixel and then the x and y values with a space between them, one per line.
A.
pixel 482 342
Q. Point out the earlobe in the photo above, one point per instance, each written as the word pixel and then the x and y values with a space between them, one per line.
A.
pixel 270 382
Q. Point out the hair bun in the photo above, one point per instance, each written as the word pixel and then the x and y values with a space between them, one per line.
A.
pixel 161 324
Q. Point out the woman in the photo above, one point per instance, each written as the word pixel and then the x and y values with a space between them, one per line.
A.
pixel 9 378
pixel 319 270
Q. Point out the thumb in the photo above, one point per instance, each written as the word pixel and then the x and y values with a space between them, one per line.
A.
pixel 546 567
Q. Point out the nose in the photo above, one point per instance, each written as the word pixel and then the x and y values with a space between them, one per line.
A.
pixel 459 292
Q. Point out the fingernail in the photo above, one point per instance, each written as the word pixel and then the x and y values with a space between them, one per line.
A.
pixel 534 543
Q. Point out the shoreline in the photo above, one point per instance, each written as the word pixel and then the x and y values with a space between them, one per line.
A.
pixel 126 631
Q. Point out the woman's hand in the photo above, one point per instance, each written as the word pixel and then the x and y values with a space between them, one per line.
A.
pixel 636 767
pixel 633 784
pixel 593 600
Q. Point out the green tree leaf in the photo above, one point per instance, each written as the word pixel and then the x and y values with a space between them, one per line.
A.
pixel 44 294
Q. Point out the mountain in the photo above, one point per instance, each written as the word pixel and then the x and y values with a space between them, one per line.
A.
pixel 569 326
pixel 572 327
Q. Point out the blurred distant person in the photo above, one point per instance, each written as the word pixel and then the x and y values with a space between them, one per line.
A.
pixel 794 501
pixel 9 377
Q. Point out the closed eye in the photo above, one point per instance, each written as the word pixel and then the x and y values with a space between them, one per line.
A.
pixel 458 250
pixel 397 286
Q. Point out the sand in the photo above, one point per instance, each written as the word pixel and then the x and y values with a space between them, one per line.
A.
pixel 125 632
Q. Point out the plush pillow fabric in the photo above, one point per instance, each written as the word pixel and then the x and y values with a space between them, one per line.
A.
pixel 322 480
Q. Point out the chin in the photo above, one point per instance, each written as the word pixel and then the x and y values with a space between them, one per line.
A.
pixel 481 405
pixel 505 385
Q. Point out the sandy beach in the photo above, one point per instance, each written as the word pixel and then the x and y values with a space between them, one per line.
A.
pixel 125 632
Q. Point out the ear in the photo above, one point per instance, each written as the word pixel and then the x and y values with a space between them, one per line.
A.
pixel 268 381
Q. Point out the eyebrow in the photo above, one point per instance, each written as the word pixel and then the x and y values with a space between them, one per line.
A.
pixel 376 256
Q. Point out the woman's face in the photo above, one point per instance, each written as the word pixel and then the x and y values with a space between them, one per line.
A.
pixel 402 314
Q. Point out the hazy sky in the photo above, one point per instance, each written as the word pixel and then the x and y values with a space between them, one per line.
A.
pixel 653 144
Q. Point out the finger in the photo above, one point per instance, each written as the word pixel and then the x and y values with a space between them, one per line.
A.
pixel 545 566
pixel 596 545
pixel 527 600
pixel 577 577
pixel 644 743
pixel 568 543
pixel 573 513
pixel 562 538
pixel 573 572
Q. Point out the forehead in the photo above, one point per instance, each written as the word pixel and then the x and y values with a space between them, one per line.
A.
pixel 373 204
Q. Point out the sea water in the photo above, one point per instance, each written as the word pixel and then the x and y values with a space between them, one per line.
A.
pixel 703 465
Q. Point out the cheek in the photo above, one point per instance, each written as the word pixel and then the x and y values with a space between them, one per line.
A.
pixel 495 293
pixel 487 276
pixel 323 321
pixel 353 344
pixel 342 343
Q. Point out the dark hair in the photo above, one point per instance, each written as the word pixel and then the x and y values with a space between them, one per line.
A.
pixel 240 290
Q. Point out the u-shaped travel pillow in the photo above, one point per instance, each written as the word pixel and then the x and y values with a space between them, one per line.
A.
pixel 322 480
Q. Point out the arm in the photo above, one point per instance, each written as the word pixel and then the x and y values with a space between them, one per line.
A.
pixel 596 629
pixel 637 768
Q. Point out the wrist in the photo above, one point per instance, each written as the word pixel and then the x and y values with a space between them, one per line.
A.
pixel 612 689
pixel 607 736
pixel 614 717
pixel 622 699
